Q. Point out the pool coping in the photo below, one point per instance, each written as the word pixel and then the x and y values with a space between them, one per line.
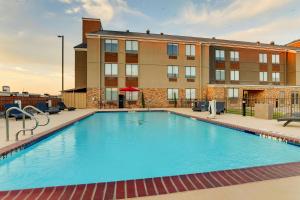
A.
pixel 156 185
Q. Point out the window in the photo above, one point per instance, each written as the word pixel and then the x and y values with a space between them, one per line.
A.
pixel 220 55
pixel 233 92
pixel 172 93
pixel 263 58
pixel 111 69
pixel 263 76
pixel 172 71
pixel 190 50
pixel 190 72
pixel 275 59
pixel 132 70
pixel 220 75
pixel 132 45
pixel 132 96
pixel 276 77
pixel 111 94
pixel 190 94
pixel 111 45
pixel 234 56
pixel 234 75
pixel 172 49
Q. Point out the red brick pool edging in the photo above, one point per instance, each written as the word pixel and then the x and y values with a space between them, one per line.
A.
pixel 157 185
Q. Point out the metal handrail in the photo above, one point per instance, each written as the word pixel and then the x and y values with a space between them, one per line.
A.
pixel 23 129
pixel 39 111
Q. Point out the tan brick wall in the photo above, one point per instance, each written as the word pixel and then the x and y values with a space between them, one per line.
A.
pixel 220 92
pixel 93 97
pixel 216 93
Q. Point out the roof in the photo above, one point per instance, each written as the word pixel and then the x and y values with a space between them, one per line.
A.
pixel 81 46
pixel 298 40
pixel 83 89
pixel 190 38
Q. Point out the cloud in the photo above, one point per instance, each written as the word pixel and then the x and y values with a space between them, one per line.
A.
pixel 237 10
pixel 98 8
pixel 73 10
pixel 103 9
pixel 20 69
pixel 270 31
pixel 66 1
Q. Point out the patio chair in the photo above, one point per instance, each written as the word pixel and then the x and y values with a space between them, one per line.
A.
pixel 45 108
pixel 62 106
pixel 220 107
pixel 294 117
pixel 200 106
pixel 14 113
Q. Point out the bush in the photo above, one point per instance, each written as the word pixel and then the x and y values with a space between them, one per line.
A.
pixel 175 101
pixel 143 100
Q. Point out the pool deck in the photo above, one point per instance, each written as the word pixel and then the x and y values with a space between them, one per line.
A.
pixel 283 188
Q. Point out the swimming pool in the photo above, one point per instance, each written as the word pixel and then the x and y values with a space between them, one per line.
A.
pixel 121 146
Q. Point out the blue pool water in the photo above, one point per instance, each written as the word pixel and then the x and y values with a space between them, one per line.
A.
pixel 119 146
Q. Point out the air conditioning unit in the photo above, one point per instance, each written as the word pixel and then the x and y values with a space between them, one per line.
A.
pixel 5 88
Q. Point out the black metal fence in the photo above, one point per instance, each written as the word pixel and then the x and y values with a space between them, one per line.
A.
pixel 281 106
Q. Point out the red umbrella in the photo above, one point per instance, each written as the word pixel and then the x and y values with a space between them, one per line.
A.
pixel 129 89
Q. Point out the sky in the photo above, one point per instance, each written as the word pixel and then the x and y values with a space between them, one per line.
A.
pixel 30 52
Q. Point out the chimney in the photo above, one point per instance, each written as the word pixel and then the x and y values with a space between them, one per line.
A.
pixel 90 25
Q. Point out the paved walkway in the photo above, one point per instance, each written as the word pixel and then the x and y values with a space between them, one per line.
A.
pixel 278 189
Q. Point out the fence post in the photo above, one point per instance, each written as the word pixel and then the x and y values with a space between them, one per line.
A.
pixel 244 107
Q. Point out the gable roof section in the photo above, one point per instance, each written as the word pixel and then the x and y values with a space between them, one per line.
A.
pixel 295 43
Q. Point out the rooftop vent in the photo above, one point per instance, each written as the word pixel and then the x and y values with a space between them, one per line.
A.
pixel 161 33
pixel 127 31
pixel 272 43
pixel 148 31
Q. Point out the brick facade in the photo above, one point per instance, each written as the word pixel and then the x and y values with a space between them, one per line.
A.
pixel 259 92
pixel 27 100
pixel 93 97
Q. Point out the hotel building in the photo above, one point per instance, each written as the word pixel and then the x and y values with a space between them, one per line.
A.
pixel 166 66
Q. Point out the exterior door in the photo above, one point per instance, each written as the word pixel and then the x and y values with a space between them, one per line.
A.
pixel 121 100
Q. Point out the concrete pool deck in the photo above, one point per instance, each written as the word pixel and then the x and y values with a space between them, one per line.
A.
pixel 284 188
pixel 277 189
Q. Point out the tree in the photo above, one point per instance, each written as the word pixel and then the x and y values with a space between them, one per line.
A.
pixel 175 100
pixel 143 100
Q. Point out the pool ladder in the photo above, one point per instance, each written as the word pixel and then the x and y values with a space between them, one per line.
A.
pixel 25 113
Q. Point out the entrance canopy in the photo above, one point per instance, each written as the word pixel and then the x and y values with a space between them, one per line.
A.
pixel 129 89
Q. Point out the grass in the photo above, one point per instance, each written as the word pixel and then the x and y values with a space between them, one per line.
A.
pixel 239 111
pixel 276 114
